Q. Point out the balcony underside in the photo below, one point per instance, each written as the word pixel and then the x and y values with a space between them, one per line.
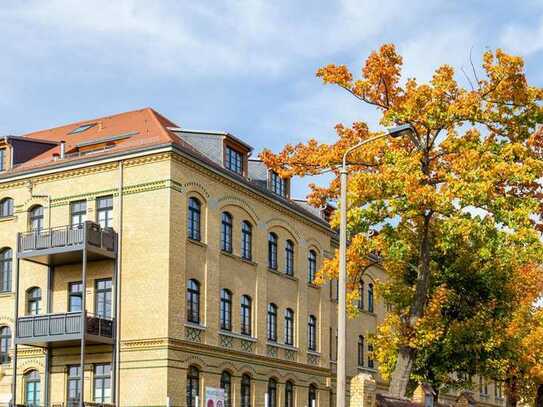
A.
pixel 64 341
pixel 59 256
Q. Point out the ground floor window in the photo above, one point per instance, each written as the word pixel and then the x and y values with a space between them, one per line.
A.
pixel 246 391
pixel 289 394
pixel 272 393
pixel 74 385
pixel 193 386
pixel 102 383
pixel 226 384
pixel 32 388
pixel 312 396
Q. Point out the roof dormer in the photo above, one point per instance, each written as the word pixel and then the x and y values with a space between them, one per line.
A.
pixel 235 155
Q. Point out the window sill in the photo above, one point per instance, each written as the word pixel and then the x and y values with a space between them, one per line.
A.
pixel 248 261
pixel 282 274
pixel 195 326
pixel 314 353
pixel 282 346
pixel 313 285
pixel 196 242
pixel 238 336
pixel 239 258
pixel 7 218
pixel 6 293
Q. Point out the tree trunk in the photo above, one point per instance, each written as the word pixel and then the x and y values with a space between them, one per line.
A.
pixel 406 356
pixel 511 395
pixel 539 396
pixel 400 376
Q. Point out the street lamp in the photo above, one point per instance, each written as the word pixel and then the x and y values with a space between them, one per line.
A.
pixel 399 131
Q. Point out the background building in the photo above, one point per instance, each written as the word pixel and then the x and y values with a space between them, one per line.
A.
pixel 170 261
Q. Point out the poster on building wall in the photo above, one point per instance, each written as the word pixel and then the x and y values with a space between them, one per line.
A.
pixel 214 397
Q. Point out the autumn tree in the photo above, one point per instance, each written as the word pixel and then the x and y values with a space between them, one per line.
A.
pixel 452 210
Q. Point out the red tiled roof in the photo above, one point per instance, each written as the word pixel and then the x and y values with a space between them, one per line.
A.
pixel 142 128
pixel 127 131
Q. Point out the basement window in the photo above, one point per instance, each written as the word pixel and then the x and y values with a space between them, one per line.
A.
pixel 82 128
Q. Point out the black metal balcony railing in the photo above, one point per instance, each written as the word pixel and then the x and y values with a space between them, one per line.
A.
pixel 68 236
pixel 61 327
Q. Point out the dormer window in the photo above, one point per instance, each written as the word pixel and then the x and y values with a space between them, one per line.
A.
pixel 234 160
pixel 2 159
pixel 278 185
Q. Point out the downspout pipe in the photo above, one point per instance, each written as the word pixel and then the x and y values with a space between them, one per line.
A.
pixel 118 285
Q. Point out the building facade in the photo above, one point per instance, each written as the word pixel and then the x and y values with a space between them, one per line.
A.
pixel 142 263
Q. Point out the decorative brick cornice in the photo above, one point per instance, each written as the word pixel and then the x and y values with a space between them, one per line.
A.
pixel 147 159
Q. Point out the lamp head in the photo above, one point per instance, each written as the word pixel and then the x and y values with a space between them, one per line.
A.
pixel 401 131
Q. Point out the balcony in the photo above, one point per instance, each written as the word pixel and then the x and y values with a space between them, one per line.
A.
pixel 62 329
pixel 65 244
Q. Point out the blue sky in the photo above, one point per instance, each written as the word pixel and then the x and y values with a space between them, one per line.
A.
pixel 247 67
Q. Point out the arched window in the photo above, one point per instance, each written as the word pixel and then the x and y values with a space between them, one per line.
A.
pixel 370 356
pixel 226 232
pixel 272 322
pixel 33 298
pixel 193 386
pixel 272 251
pixel 36 218
pixel 312 333
pixel 289 394
pixel 245 390
pixel 193 301
pixel 246 315
pixel 6 207
pixel 6 259
pixel 289 327
pixel 246 240
pixel 361 294
pixel 194 216
pixel 226 309
pixel 289 258
pixel 272 393
pixel 370 297
pixel 226 384
pixel 5 344
pixel 360 350
pixel 311 266
pixel 32 388
pixel 312 396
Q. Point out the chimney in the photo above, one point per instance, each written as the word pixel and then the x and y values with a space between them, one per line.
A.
pixel 363 389
pixel 62 149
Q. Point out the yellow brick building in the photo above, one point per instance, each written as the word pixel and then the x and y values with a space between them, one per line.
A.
pixel 164 261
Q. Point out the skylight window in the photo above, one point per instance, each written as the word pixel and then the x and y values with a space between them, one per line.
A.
pixel 82 128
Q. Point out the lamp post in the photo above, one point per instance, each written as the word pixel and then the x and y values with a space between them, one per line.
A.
pixel 395 132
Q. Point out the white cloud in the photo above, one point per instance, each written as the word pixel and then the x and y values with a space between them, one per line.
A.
pixel 195 38
pixel 425 53
pixel 523 39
